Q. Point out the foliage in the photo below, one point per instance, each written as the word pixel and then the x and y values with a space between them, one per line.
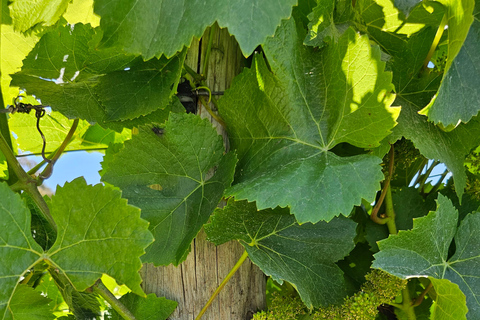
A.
pixel 341 225
pixel 379 288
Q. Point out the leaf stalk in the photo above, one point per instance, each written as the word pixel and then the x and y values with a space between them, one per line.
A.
pixel 26 182
pixel 47 172
pixel 407 305
pixel 100 289
pixel 224 282
pixel 420 298
pixel 209 50
pixel 390 213
pixel 386 186
pixel 436 40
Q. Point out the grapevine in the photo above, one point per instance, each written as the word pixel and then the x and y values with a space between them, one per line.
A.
pixel 379 289
pixel 331 146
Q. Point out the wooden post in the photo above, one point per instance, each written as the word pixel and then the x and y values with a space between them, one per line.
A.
pixel 192 282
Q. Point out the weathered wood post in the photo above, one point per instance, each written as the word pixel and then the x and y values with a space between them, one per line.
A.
pixel 192 282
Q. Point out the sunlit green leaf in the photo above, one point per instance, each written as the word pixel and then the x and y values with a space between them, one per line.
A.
pixel 449 301
pixel 97 233
pixel 15 46
pixel 81 11
pixel 66 71
pixel 18 250
pixel 28 304
pixel 450 148
pixel 285 123
pixel 28 13
pixel 458 96
pixel 322 27
pixel 108 235
pixel 404 40
pixel 149 308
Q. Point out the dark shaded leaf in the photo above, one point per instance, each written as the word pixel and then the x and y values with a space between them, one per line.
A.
pixel 303 255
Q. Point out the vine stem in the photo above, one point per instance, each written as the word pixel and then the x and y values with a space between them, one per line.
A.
pixel 407 305
pixel 424 166
pixel 209 49
pixel 390 213
pixel 436 40
pixel 5 131
pixel 213 114
pixel 199 80
pixel 26 182
pixel 420 298
pixel 46 173
pixel 440 181
pixel 224 282
pixel 196 77
pixel 386 186
pixel 426 175
pixel 103 291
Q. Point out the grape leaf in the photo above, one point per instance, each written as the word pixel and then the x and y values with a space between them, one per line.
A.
pixel 81 11
pixel 158 116
pixel 450 148
pixel 423 251
pixel 458 96
pixel 415 88
pixel 166 174
pixel 3 167
pixel 449 301
pixel 5 18
pixel 18 249
pixel 403 39
pixel 48 288
pixel 54 126
pixel 26 14
pixel 96 135
pixel 303 255
pixel 83 305
pixel 408 204
pixel 107 237
pixel 321 27
pixel 97 233
pixel 67 72
pixel 15 46
pixel 128 94
pixel 28 304
pixel 149 308
pixel 41 230
pixel 285 123
pixel 406 5
pixel 152 28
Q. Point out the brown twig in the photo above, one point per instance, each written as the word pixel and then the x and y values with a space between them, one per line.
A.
pixel 374 216
pixel 417 301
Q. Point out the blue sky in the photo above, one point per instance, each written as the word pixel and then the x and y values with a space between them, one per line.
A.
pixel 72 165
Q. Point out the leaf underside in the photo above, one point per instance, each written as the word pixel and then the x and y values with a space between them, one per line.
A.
pixel 303 255
pixel 176 23
pixel 423 251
